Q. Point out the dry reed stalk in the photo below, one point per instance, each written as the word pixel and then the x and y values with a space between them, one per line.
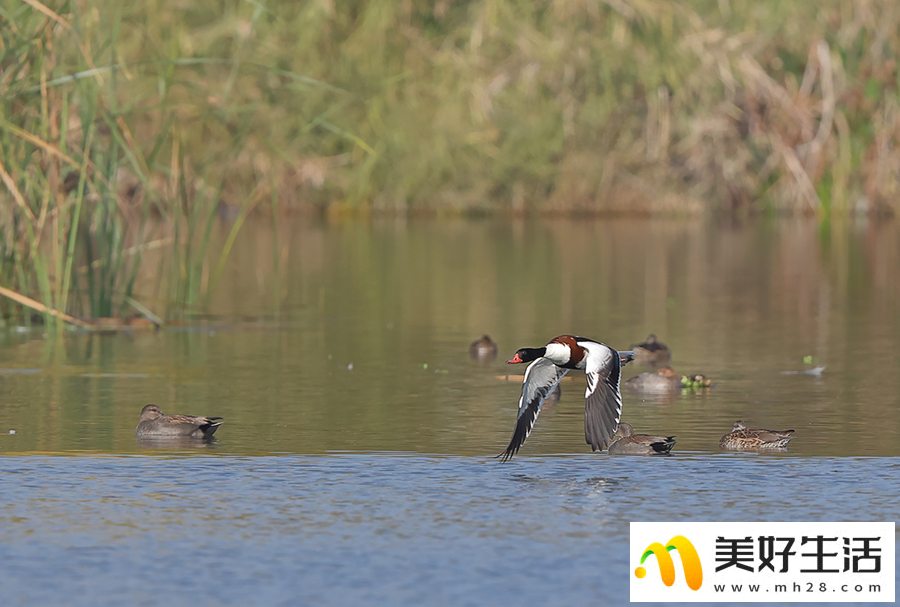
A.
pixel 10 183
pixel 38 306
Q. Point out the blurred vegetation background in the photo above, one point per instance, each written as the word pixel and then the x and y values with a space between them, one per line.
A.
pixel 126 126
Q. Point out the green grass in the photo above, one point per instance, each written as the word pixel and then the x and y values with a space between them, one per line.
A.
pixel 127 123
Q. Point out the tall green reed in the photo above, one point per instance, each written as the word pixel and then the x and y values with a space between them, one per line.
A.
pixel 61 147
pixel 96 177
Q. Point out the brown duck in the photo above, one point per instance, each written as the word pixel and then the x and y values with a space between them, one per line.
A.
pixel 651 352
pixel 661 381
pixel 154 424
pixel 626 442
pixel 743 438
pixel 484 349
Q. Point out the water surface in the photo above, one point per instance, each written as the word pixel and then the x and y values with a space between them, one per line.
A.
pixel 382 529
pixel 356 462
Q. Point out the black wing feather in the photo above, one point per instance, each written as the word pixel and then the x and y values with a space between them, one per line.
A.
pixel 541 378
pixel 665 445
pixel 603 403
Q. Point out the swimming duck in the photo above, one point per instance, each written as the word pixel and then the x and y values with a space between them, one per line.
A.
pixel 742 437
pixel 603 401
pixel 661 381
pixel 651 351
pixel 154 424
pixel 628 443
pixel 484 349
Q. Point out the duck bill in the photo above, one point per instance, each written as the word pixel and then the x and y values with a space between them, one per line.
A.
pixel 515 360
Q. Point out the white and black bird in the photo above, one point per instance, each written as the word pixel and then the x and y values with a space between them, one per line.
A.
pixel 603 400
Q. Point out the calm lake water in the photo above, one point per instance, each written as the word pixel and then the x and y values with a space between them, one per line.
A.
pixel 356 461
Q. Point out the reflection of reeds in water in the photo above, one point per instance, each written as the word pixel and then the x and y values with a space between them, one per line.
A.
pixel 632 107
pixel 475 274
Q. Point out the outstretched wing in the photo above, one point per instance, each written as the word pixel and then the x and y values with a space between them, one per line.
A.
pixel 603 401
pixel 541 379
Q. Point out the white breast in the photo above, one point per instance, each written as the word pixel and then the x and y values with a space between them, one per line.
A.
pixel 558 353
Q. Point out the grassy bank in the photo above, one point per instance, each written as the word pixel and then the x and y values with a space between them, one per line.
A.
pixel 113 114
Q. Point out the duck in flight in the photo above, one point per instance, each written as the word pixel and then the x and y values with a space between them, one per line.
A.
pixel 549 364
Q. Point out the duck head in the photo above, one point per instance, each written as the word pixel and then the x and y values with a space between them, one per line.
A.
pixel 624 431
pixel 526 355
pixel 150 412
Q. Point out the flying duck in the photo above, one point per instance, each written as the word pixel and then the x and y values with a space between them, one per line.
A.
pixel 154 424
pixel 742 437
pixel 629 443
pixel 603 401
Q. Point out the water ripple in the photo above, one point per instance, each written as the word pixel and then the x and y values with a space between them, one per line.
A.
pixel 383 529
